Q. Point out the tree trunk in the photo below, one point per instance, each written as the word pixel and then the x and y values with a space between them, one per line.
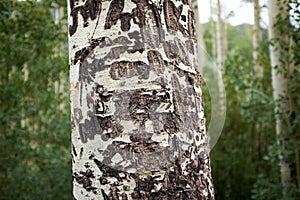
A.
pixel 202 58
pixel 220 57
pixel 280 74
pixel 256 40
pixel 138 127
pixel 224 24
pixel 213 28
pixel 219 31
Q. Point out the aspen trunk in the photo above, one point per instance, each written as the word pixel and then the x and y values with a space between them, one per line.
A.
pixel 202 58
pixel 220 56
pixel 138 127
pixel 256 40
pixel 280 74
pixel 213 28
pixel 219 31
pixel 224 38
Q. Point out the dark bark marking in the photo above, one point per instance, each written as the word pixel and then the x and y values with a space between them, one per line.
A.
pixel 109 171
pixel 156 61
pixel 172 124
pixel 172 17
pixel 103 181
pixel 122 40
pixel 74 150
pixel 84 179
pixel 138 13
pixel 102 96
pixel 107 123
pixel 124 196
pixel 91 9
pixel 99 125
pixel 190 46
pixel 154 57
pixel 141 106
pixel 138 43
pixel 115 52
pixel 127 69
pixel 138 145
pixel 153 33
pixel 187 2
pixel 125 21
pixel 114 13
pixel 89 128
pixel 105 196
pixel 81 54
pixel 177 50
pixel 191 27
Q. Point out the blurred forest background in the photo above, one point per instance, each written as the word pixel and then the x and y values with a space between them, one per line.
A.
pixel 35 159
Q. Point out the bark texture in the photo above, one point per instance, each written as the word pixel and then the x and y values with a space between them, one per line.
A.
pixel 202 58
pixel 138 127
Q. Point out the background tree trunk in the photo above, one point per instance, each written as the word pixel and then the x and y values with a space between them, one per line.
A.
pixel 280 80
pixel 213 28
pixel 220 43
pixel 257 40
pixel 137 112
pixel 221 36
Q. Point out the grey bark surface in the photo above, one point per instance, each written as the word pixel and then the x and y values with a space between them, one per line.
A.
pixel 138 126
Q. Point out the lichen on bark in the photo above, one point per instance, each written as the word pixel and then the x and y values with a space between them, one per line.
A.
pixel 137 109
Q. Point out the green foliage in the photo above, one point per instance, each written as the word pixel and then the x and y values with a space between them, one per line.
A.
pixel 35 161
pixel 245 161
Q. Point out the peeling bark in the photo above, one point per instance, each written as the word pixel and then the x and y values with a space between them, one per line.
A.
pixel 138 127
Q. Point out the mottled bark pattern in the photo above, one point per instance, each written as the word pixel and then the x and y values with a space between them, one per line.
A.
pixel 90 9
pixel 138 127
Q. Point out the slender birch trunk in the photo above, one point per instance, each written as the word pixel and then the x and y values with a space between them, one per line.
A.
pixel 256 40
pixel 138 127
pixel 280 81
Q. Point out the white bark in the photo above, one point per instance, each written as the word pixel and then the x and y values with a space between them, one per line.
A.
pixel 213 28
pixel 138 127
pixel 220 57
pixel 219 31
pixel 59 13
pixel 256 40
pixel 202 58
pixel 280 74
